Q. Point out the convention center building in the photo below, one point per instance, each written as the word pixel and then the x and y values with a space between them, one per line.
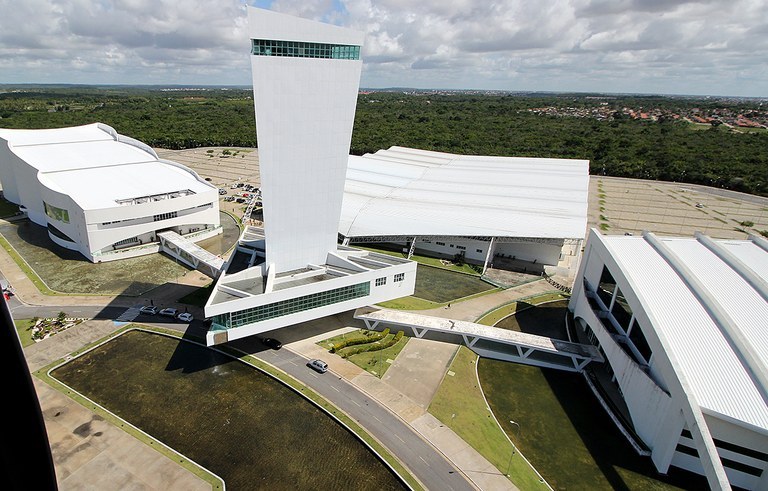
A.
pixel 101 193
pixel 683 326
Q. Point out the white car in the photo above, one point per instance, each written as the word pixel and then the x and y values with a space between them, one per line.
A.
pixel 149 310
pixel 169 312
pixel 318 365
pixel 185 317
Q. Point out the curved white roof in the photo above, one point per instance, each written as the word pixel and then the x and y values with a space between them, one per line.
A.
pixel 95 166
pixel 717 373
pixel 404 191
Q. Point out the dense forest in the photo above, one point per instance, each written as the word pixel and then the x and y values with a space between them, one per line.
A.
pixel 666 148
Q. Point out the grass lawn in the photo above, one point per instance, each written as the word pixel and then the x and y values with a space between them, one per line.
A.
pixel 565 432
pixel 459 404
pixel 373 362
pixel 429 261
pixel 494 316
pixel 25 333
pixel 7 209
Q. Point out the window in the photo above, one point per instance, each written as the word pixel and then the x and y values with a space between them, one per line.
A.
pixel 59 214
pixel 621 310
pixel 399 277
pixel 451 245
pixel 300 49
pixel 461 248
pixel 131 240
pixel 381 281
pixel 165 216
pixel 479 250
pixel 290 306
pixel 641 344
pixel 440 243
pixel 58 233
pixel 606 287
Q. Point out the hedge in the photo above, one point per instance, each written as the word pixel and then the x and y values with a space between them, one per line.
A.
pixel 354 341
pixel 374 346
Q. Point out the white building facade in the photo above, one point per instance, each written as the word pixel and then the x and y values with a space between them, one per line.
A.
pixel 682 324
pixel 525 213
pixel 101 193
pixel 306 78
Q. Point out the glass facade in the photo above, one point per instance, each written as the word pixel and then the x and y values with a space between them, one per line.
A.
pixel 290 306
pixel 298 49
pixel 59 214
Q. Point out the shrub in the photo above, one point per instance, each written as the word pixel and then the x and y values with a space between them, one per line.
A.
pixel 355 341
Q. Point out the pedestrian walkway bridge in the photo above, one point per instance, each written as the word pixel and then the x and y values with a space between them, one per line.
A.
pixel 190 253
pixel 487 341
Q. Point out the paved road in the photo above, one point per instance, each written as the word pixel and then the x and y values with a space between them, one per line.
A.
pixel 429 466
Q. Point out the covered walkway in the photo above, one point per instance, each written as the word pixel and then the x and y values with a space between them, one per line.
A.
pixel 487 341
pixel 190 253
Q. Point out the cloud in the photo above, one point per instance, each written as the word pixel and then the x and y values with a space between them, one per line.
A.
pixel 692 46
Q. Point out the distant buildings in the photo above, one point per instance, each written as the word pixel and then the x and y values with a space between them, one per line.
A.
pixel 305 82
pixel 103 194
pixel 683 325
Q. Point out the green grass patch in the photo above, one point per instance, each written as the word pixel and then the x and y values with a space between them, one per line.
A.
pixel 565 432
pixel 604 227
pixel 7 209
pixel 21 263
pixel 24 328
pixel 409 303
pixel 460 405
pixel 199 296
pixel 429 261
pixel 495 315
pixel 375 362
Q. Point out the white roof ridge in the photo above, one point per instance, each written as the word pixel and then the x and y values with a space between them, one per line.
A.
pixel 754 365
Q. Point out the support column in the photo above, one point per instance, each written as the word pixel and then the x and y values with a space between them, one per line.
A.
pixel 489 254
pixel 412 248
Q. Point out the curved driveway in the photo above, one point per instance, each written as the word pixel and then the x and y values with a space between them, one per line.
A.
pixel 425 462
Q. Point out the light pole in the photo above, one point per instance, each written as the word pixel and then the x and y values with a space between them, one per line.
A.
pixel 509 464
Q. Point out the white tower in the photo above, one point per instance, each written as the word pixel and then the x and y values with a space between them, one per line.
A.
pixel 306 77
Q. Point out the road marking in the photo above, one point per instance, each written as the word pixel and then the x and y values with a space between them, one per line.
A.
pixel 293 363
pixel 336 389
pixel 398 437
pixel 422 459
pixel 355 403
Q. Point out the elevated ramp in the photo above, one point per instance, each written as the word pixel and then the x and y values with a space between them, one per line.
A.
pixel 190 253
pixel 487 341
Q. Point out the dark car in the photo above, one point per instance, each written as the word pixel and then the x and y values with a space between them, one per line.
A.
pixel 272 343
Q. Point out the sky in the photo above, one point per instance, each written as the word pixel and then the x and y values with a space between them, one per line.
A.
pixel 697 47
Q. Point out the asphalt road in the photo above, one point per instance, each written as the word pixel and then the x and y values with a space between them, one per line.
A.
pixel 429 465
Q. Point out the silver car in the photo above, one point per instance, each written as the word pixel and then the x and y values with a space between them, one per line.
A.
pixel 318 365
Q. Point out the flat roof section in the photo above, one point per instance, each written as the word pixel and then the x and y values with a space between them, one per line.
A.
pixel 403 191
pixel 715 372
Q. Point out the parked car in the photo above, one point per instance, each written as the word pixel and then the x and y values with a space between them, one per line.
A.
pixel 185 317
pixel 222 191
pixel 240 200
pixel 272 343
pixel 149 310
pixel 318 365
pixel 169 312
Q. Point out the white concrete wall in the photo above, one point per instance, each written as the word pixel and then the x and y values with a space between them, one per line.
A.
pixel 377 294
pixel 305 109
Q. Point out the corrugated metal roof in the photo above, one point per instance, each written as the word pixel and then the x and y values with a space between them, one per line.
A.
pixel 405 191
pixel 716 374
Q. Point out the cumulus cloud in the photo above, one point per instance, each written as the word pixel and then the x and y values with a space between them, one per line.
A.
pixel 670 46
